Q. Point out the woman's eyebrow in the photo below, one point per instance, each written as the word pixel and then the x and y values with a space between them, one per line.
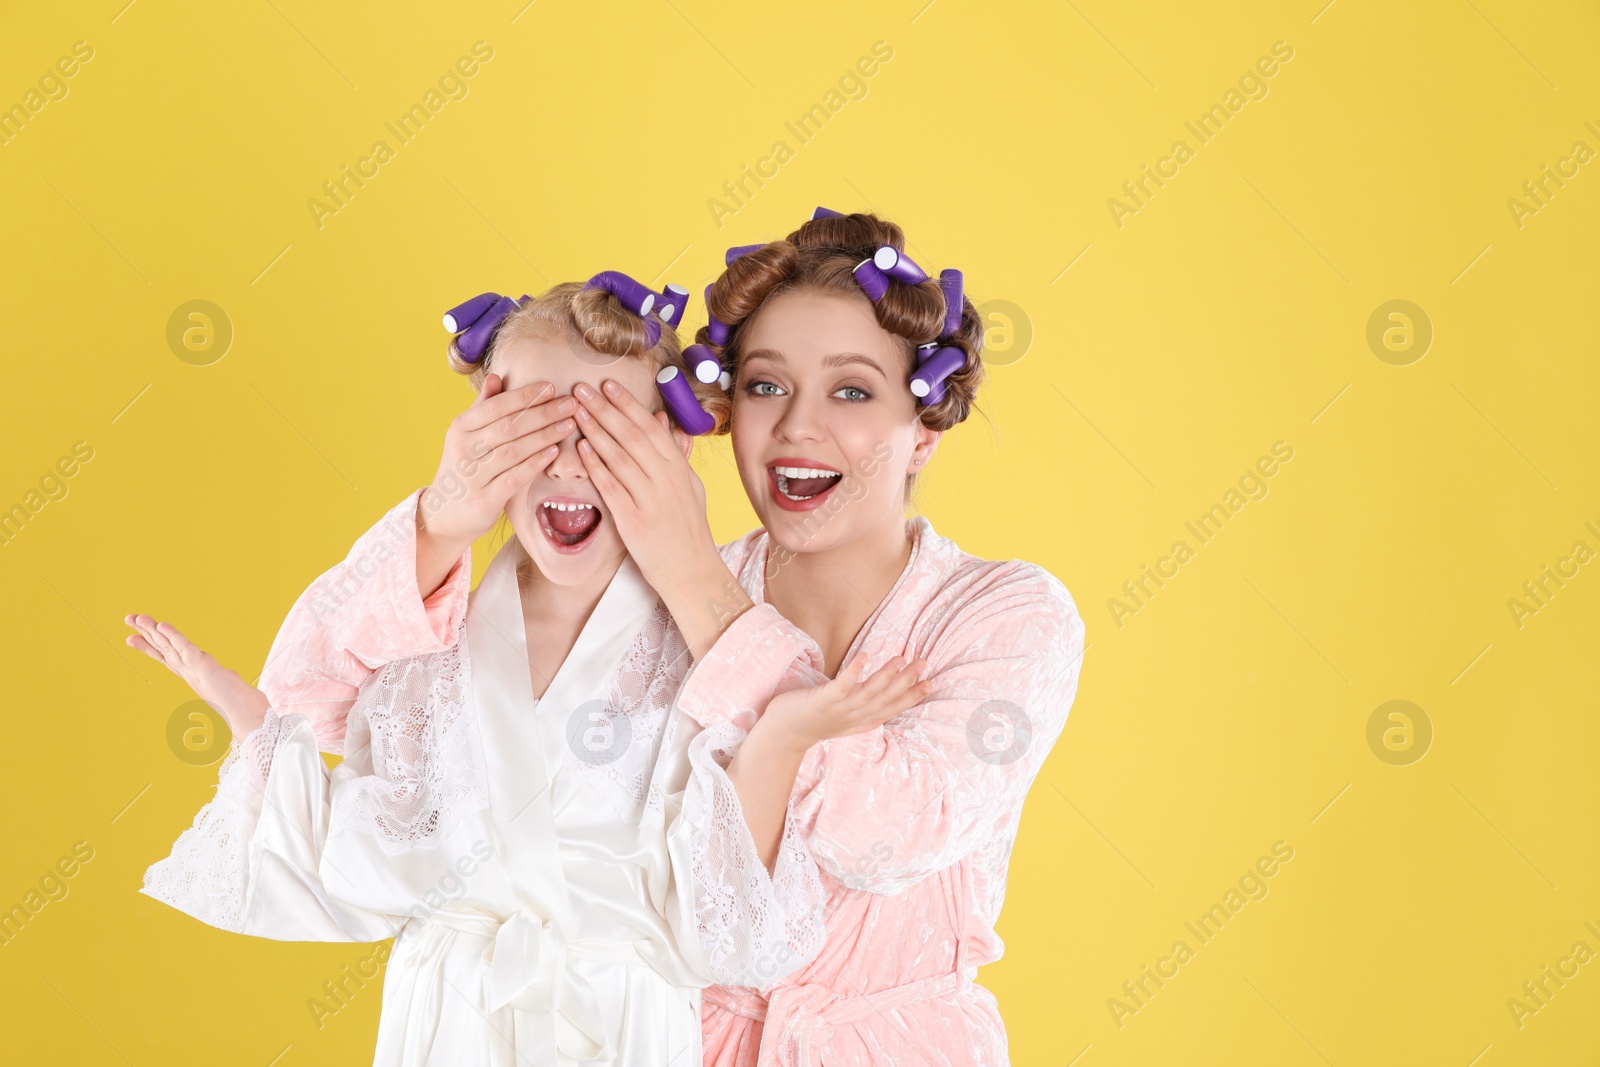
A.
pixel 842 359
pixel 839 359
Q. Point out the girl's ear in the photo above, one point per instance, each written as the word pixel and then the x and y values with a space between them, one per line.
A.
pixel 683 440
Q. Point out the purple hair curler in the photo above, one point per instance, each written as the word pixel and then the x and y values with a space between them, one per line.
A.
pixel 703 362
pixel 470 345
pixel 522 301
pixel 719 330
pixel 739 250
pixel 461 316
pixel 634 296
pixel 652 333
pixel 950 284
pixel 826 213
pixel 872 280
pixel 894 263
pixel 681 401
pixel 927 381
pixel 671 304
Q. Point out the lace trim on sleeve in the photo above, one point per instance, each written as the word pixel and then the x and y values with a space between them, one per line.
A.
pixel 755 927
pixel 208 871
pixel 416 715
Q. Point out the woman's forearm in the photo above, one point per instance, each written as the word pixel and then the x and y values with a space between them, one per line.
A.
pixel 763 773
pixel 436 555
pixel 704 599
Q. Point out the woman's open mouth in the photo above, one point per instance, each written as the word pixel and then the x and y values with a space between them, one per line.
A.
pixel 568 524
pixel 801 488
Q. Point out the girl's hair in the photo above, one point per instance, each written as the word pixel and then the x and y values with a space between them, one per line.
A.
pixel 598 320
pixel 820 257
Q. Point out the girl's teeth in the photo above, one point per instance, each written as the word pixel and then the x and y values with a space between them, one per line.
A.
pixel 566 507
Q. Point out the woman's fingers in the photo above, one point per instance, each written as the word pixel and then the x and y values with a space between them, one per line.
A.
pixel 487 409
pixel 850 674
pixel 626 419
pixel 612 491
pixel 519 419
pixel 619 461
pixel 519 475
pixel 892 690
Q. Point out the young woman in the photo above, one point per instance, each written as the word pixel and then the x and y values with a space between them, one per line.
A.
pixel 911 817
pixel 516 803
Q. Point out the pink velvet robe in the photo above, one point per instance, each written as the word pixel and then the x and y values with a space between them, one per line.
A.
pixel 912 823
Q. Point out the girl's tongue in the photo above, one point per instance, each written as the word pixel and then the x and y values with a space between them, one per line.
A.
pixel 570 527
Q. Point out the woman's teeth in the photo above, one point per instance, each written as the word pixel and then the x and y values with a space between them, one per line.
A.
pixel 809 479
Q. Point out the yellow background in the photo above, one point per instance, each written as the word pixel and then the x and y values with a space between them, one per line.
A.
pixel 1230 312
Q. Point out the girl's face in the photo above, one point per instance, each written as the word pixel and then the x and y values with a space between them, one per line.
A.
pixel 574 545
pixel 825 430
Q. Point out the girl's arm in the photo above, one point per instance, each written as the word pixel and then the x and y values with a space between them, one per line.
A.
pixel 251 862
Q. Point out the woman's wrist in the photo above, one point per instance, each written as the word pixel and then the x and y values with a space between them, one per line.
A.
pixel 704 599
pixel 771 735
pixel 437 551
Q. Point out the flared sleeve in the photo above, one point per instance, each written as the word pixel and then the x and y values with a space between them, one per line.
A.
pixel 251 862
pixel 882 809
pixel 752 927
pixel 361 614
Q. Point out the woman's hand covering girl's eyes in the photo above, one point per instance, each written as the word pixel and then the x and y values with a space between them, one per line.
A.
pixel 639 467
pixel 493 450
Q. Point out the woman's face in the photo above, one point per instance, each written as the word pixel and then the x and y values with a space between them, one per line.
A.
pixel 576 545
pixel 825 429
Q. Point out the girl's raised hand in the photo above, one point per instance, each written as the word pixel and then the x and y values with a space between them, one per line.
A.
pixel 846 704
pixel 493 449
pixel 240 703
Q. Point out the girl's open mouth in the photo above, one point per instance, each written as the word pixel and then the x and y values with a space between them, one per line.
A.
pixel 568 524
pixel 801 488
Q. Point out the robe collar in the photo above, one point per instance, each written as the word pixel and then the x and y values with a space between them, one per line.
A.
pixel 524 742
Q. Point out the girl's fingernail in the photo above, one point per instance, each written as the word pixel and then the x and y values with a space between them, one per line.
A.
pixel 583 413
pixel 612 387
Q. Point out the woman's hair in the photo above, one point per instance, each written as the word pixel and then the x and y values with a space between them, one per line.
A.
pixel 598 320
pixel 821 256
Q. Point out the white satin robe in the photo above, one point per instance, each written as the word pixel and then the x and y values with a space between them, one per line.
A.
pixel 552 901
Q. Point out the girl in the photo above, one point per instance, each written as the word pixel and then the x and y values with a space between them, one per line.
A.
pixel 516 805
pixel 847 363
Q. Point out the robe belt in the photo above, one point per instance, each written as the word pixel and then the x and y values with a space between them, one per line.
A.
pixel 527 966
pixel 795 1016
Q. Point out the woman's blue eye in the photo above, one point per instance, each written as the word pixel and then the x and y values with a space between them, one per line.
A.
pixel 856 389
pixel 756 385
